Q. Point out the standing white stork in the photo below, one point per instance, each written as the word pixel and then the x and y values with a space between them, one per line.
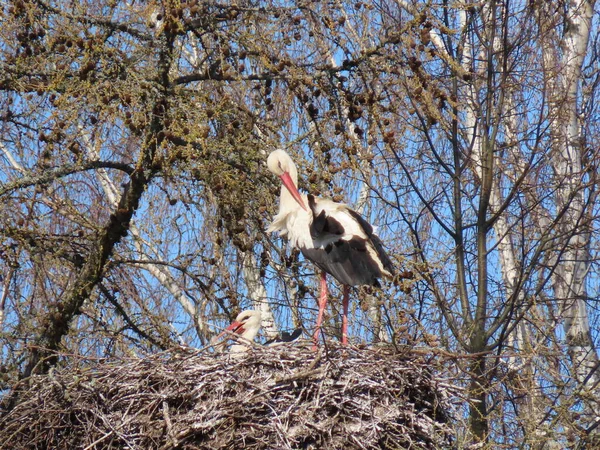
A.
pixel 334 237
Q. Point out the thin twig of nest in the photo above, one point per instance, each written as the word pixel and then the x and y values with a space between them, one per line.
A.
pixel 271 398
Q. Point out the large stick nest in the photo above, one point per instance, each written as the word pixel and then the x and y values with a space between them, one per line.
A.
pixel 271 398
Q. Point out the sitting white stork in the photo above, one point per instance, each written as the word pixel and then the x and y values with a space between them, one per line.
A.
pixel 334 237
pixel 246 326
pixel 244 329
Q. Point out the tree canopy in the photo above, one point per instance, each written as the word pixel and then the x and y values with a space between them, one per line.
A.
pixel 135 194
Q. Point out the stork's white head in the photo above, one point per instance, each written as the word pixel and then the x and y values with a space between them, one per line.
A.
pixel 245 327
pixel 281 164
pixel 246 324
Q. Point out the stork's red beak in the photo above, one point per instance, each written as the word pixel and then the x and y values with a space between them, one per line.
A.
pixel 291 187
pixel 235 327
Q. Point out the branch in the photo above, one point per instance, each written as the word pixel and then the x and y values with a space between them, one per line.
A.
pixel 113 301
pixel 43 354
pixel 59 172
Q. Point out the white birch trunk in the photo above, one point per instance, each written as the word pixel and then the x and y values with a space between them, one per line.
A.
pixel 570 275
pixel 258 293
pixel 158 271
pixel 4 296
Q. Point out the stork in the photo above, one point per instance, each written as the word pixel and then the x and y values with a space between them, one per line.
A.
pixel 246 326
pixel 284 338
pixel 337 239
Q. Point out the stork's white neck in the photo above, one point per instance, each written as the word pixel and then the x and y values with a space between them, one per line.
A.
pixel 245 340
pixel 250 333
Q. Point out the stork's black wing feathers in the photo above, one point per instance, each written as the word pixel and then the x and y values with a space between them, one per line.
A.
pixel 353 262
pixel 366 226
pixel 322 223
pixel 383 256
pixel 349 262
pixel 285 337
pixel 377 244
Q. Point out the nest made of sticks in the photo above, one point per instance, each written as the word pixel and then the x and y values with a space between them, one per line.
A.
pixel 287 397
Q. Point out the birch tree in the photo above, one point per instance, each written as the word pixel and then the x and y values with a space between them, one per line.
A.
pixel 575 184
pixel 135 195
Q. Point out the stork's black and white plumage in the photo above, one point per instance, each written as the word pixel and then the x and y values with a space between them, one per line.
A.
pixel 284 338
pixel 334 237
pixel 244 329
pixel 246 326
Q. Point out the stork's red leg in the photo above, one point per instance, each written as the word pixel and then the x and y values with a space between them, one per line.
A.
pixel 322 304
pixel 345 302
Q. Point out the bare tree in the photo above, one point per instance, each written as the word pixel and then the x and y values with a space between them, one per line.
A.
pixel 135 194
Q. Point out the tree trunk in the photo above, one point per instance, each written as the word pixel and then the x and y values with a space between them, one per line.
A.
pixel 478 392
pixel 563 60
pixel 56 324
pixel 157 271
pixel 258 294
